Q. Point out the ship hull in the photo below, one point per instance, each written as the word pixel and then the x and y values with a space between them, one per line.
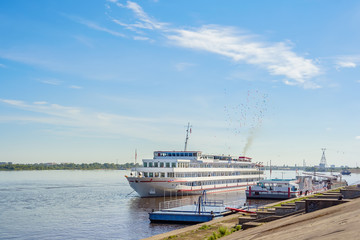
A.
pixel 149 187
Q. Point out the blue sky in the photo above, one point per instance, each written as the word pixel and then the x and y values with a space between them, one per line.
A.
pixel 86 81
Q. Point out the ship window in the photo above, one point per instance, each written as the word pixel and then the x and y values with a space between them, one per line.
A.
pixel 190 154
pixel 173 154
pixel 151 174
pixel 155 164
pixel 145 164
pixel 146 174
pixel 167 164
pixel 170 174
pixel 177 154
pixel 150 164
pixel 195 154
pixel 181 154
pixel 161 164
pixel 173 164
pixel 156 174
pixel 162 174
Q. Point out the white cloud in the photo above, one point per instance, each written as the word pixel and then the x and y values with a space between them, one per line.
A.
pixel 351 61
pixel 146 22
pixel 40 103
pixel 32 59
pixel 12 102
pixel 277 58
pixel 50 81
pixel 357 137
pixel 141 38
pixel 346 64
pixel 85 41
pixel 75 87
pixel 94 26
pixel 82 122
pixel 44 107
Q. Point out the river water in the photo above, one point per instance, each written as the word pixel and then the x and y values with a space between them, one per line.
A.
pixel 97 204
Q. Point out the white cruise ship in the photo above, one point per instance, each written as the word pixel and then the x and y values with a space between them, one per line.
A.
pixel 191 172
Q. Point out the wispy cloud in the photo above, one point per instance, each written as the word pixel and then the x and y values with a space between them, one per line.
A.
pixel 141 38
pixel 85 41
pixel 29 58
pixel 50 81
pixel 277 58
pixel 2 65
pixel 145 21
pixel 74 121
pixel 341 64
pixel 75 87
pixel 357 137
pixel 40 103
pixel 95 26
pixel 351 61
pixel 44 107
pixel 81 122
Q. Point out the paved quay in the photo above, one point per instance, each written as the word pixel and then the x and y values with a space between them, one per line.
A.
pixel 337 222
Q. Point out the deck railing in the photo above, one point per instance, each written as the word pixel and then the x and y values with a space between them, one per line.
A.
pixel 174 203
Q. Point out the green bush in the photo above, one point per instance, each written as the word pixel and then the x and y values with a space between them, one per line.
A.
pixel 223 231
pixel 212 237
pixel 204 227
pixel 172 236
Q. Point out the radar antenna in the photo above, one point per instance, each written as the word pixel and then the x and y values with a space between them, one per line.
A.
pixel 187 135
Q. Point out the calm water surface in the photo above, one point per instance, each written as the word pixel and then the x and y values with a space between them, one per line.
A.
pixel 76 204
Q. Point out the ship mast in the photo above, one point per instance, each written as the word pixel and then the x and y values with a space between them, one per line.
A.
pixel 187 135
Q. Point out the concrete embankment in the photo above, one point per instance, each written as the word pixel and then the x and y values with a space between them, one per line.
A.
pixel 337 222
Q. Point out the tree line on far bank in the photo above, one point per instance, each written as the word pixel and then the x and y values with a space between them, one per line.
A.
pixel 66 166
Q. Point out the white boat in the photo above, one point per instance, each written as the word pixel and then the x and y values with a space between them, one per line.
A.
pixel 192 172
pixel 291 188
pixel 274 189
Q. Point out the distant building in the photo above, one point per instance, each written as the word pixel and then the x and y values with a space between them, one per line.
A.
pixel 50 164
pixel 332 166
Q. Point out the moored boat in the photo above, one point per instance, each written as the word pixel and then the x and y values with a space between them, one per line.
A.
pixel 192 172
pixel 345 172
pixel 289 188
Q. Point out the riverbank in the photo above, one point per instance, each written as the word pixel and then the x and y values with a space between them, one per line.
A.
pixel 354 170
pixel 336 222
pixel 65 166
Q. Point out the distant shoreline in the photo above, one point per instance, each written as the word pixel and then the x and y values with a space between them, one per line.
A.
pixel 66 166
pixel 4 166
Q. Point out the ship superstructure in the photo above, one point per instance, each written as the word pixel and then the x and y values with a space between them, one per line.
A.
pixel 191 172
